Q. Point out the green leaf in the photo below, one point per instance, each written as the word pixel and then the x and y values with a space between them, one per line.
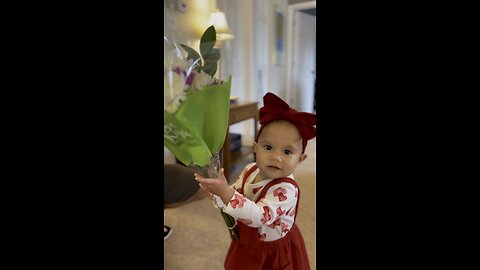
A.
pixel 210 68
pixel 210 59
pixel 192 54
pixel 212 55
pixel 207 42
pixel 209 54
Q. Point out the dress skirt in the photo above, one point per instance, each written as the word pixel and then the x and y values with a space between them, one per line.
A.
pixel 249 253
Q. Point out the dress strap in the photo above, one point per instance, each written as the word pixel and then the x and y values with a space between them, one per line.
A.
pixel 278 181
pixel 270 184
pixel 245 177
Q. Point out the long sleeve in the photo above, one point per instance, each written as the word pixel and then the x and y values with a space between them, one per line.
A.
pixel 275 211
pixel 273 215
pixel 217 201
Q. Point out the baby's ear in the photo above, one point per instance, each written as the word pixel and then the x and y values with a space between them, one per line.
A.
pixel 302 157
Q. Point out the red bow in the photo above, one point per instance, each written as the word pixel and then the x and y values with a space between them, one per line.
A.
pixel 275 108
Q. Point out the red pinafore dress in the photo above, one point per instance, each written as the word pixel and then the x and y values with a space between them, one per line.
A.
pixel 249 253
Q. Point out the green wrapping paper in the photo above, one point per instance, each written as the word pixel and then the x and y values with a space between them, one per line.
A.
pixel 198 128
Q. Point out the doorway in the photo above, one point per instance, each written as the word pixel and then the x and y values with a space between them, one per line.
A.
pixel 301 56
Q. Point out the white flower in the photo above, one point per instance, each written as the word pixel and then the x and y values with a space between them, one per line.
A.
pixel 174 91
pixel 174 58
pixel 202 79
pixel 176 62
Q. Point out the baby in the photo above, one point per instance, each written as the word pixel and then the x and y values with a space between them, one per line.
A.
pixel 264 200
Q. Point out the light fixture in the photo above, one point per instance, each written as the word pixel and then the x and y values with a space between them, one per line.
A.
pixel 218 19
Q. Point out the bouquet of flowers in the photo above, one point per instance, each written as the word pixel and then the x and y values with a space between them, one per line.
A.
pixel 196 107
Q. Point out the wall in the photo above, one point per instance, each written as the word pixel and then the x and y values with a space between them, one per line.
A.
pixel 249 57
pixel 253 52
pixel 276 79
pixel 187 26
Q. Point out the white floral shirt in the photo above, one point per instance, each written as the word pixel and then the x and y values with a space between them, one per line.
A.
pixel 273 215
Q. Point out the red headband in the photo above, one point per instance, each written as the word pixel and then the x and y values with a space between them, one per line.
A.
pixel 275 109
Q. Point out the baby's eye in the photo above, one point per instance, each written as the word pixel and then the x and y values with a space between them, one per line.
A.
pixel 267 147
pixel 287 152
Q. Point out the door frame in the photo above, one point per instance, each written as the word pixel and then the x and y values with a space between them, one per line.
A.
pixel 289 52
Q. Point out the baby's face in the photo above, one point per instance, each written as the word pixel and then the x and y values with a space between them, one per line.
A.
pixel 279 150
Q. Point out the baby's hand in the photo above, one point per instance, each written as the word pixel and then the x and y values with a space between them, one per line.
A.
pixel 217 186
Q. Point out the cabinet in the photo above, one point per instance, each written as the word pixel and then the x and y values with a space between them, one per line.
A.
pixel 239 112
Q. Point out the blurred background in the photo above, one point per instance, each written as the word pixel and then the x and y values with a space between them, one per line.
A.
pixel 266 46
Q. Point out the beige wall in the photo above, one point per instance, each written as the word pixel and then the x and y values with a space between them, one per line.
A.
pixel 187 27
pixel 239 57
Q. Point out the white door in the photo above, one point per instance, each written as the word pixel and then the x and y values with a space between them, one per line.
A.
pixel 304 62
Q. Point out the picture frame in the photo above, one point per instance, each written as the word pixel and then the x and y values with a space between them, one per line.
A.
pixel 279 36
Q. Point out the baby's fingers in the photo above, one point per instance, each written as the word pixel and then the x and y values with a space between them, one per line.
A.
pixel 221 174
pixel 205 181
pixel 204 187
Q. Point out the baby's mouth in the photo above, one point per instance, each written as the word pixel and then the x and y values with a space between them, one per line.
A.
pixel 273 167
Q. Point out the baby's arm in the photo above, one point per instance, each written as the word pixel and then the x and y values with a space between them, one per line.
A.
pixel 213 184
pixel 277 206
pixel 218 186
